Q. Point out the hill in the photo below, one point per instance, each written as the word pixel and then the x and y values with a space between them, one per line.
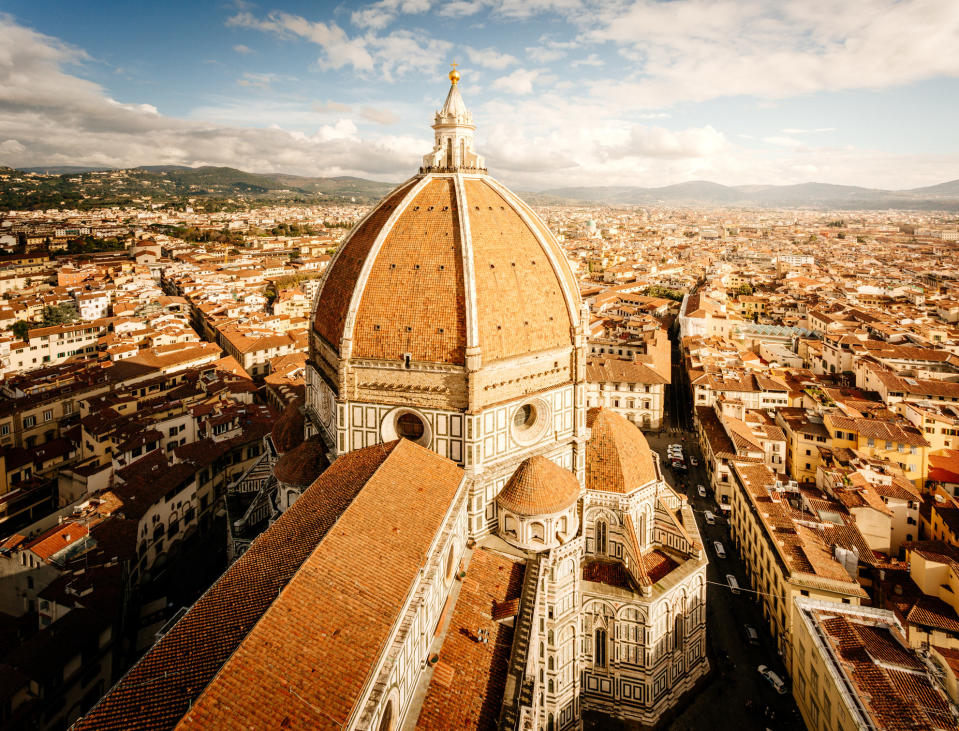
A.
pixel 206 187
pixel 804 195
pixel 225 188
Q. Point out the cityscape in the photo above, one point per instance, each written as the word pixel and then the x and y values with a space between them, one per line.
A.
pixel 364 439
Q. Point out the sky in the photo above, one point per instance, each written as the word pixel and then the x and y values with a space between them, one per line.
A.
pixel 563 92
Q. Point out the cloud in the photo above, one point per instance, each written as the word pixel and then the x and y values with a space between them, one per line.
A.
pixel 518 82
pixel 695 50
pixel 331 106
pixel 338 49
pixel 50 117
pixel 490 58
pixel 591 60
pixel 461 8
pixel 794 131
pixel 379 15
pixel 782 141
pixel 380 116
pixel 395 54
pixel 243 50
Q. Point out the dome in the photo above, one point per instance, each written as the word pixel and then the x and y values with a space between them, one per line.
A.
pixel 301 466
pixel 449 264
pixel 618 457
pixel 288 430
pixel 539 487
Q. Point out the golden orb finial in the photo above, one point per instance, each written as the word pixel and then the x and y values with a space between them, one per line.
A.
pixel 454 74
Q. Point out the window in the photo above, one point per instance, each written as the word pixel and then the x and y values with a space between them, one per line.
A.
pixel 48 415
pixel 525 417
pixel 601 537
pixel 4 429
pixel 409 426
pixel 449 563
pixel 537 532
pixel 599 651
pixel 29 421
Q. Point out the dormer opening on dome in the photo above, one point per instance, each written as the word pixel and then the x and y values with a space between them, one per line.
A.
pixel 453 136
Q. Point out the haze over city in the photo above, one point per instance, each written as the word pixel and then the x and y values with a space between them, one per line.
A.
pixel 647 93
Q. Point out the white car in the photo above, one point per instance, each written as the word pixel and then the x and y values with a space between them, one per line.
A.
pixel 701 489
pixel 675 446
pixel 774 680
pixel 720 551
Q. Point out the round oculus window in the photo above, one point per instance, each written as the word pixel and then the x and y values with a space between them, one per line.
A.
pixel 410 426
pixel 530 421
pixel 524 418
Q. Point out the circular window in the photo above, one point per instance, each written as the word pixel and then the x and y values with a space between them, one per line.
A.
pixel 524 418
pixel 530 421
pixel 410 426
pixel 404 423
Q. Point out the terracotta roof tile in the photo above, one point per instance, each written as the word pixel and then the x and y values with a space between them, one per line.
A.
pixel 163 685
pixel 539 487
pixel 305 663
pixel 466 690
pixel 618 457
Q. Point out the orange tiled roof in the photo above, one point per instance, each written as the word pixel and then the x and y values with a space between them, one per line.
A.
pixel 538 487
pixel 415 297
pixel 618 457
pixel 303 464
pixel 306 661
pixel 466 690
pixel 163 685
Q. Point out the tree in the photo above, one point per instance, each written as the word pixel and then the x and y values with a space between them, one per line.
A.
pixel 21 328
pixel 61 314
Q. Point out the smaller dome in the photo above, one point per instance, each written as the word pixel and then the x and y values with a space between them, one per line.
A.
pixel 288 430
pixel 618 457
pixel 301 466
pixel 539 487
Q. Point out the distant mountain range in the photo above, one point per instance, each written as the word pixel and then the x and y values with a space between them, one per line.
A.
pixel 944 196
pixel 85 187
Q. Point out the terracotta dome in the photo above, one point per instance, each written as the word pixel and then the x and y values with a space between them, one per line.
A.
pixel 288 430
pixel 618 457
pixel 301 466
pixel 449 262
pixel 539 487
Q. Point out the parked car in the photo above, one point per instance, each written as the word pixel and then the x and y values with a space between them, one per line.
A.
pixel 752 636
pixel 675 445
pixel 733 584
pixel 710 518
pixel 720 551
pixel 774 680
pixel 677 465
pixel 701 489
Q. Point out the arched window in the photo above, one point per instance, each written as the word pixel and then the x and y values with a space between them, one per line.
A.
pixel 549 663
pixel 599 651
pixel 449 152
pixel 561 526
pixel 679 630
pixel 601 536
pixel 386 721
pixel 550 723
pixel 538 532
pixel 509 525
pixel 462 152
pixel 449 563
pixel 642 531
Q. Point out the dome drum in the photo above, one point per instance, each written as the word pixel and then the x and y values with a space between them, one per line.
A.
pixel 537 507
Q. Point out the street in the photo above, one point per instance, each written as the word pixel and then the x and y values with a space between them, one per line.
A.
pixel 734 681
